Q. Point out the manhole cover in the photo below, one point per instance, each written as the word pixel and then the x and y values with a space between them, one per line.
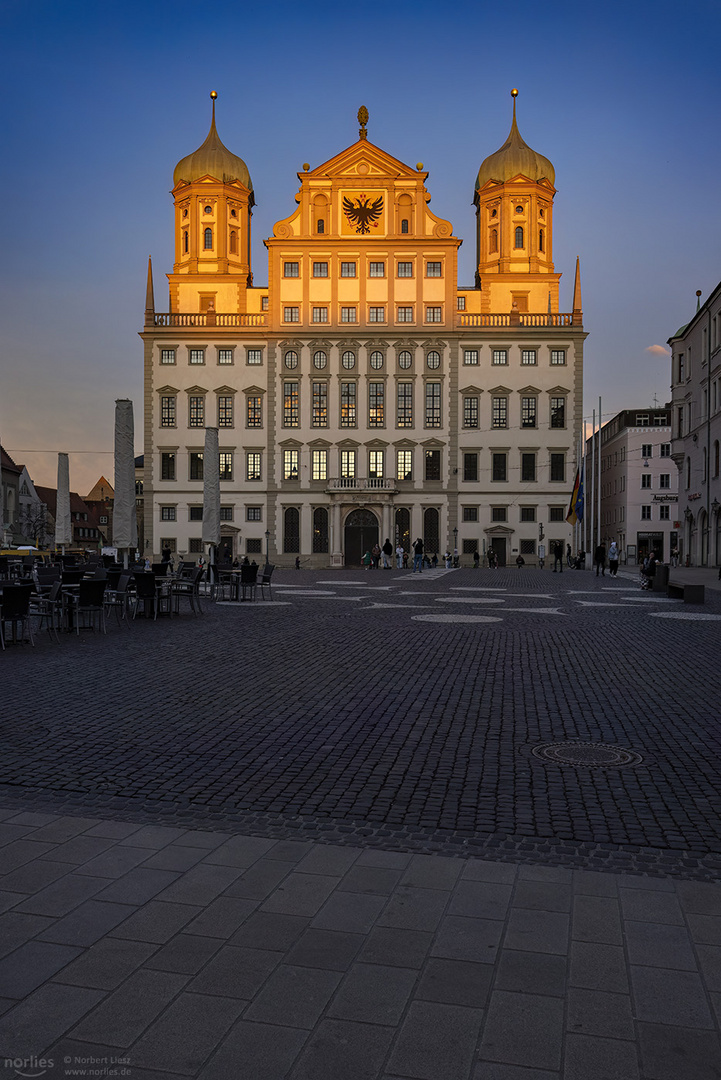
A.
pixel 588 755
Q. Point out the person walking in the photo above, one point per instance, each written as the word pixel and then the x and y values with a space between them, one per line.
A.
pixel 399 556
pixel 558 556
pixel 600 559
pixel 367 560
pixel 447 559
pixel 418 556
pixel 376 553
pixel 476 559
pixel 387 550
pixel 613 559
pixel 569 557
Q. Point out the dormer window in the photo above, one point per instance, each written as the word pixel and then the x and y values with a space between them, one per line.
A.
pixel 320 227
pixel 207 209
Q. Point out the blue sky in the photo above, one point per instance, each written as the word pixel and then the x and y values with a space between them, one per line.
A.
pixel 102 100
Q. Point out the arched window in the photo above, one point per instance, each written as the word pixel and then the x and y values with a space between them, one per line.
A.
pixel 291 531
pixel 403 528
pixel 320 531
pixel 540 239
pixel 519 236
pixel 494 241
pixel 185 242
pixel 404 225
pixel 233 242
pixel 431 531
pixel 208 239
pixel 320 227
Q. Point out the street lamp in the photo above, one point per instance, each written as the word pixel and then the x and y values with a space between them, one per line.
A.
pixel 455 547
pixel 267 543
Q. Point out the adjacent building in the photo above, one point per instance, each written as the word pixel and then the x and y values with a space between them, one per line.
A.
pixel 696 419
pixel 363 393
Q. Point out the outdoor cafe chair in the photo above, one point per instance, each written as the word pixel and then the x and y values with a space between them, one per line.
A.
pixel 87 605
pixel 248 580
pixel 118 599
pixel 48 607
pixel 264 581
pixel 15 610
pixel 145 594
pixel 188 588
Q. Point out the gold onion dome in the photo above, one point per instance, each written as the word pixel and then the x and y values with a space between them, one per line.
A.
pixel 212 159
pixel 515 157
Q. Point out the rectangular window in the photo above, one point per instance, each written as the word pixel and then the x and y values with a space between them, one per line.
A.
pixel 196 466
pixel 252 465
pixel 404 406
pixel 405 269
pixel 347 269
pixel 320 405
pixel 169 543
pixel 291 404
pixel 264 303
pixel 320 314
pixel 197 356
pixel 376 314
pixel 167 356
pixel 319 462
pixel 434 269
pixel 527 547
pixel 253 513
pixel 647 450
pixel 167 513
pixel 470 513
pixel 348 417
pixel 557 513
pixel 469 546
pixel 666 449
pixel 347 464
pixel 254 545
pixel 642 419
pixel 377 269
pixel 499 513
pixel 226 465
pixel 460 303
pixel 254 411
pixel 291 314
pixel 433 464
pixel 434 314
pixel 470 412
pixel 529 407
pixel 405 314
pixel 376 463
pixel 528 513
pixel 433 405
pixel 404 463
pixel 226 513
pixel 528 468
pixel 646 480
pixel 225 356
pixel 645 513
pixel 664 513
pixel 558 412
pixel 225 411
pixel 528 356
pixel 376 404
pixel 558 468
pixel 167 411
pixel 470 356
pixel 348 315
pixel 558 356
pixel 500 356
pixel 470 467
pixel 291 269
pixel 167 466
pixel 320 269
pixel 254 356
pixel 195 513
pixel 664 480
pixel 290 464
pixel 500 412
pixel 499 471
pixel 196 411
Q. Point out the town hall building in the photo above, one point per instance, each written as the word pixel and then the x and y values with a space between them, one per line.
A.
pixel 362 394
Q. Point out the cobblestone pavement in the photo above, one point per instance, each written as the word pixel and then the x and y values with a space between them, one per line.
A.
pixel 312 839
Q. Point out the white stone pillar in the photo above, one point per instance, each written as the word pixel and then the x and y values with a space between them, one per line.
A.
pixel 336 541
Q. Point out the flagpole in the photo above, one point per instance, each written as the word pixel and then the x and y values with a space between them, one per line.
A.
pixel 585 480
pixel 600 424
pixel 592 492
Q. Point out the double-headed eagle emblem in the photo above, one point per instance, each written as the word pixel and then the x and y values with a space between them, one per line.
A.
pixel 364 214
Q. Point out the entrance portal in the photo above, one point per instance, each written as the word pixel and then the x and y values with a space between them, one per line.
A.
pixel 498 544
pixel 361 533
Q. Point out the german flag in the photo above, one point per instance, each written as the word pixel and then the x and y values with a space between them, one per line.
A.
pixel 575 507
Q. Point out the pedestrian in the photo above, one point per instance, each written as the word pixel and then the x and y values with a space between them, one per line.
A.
pixel 558 556
pixel 674 559
pixel 569 557
pixel 649 571
pixel 367 560
pixel 387 550
pixel 297 562
pixel 166 555
pixel 599 560
pixel 448 559
pixel 376 553
pixel 495 559
pixel 613 559
pixel 405 559
pixel 520 561
pixel 434 560
pixel 399 556
pixel 418 556
pixel 476 559
pixel 581 560
pixel 490 558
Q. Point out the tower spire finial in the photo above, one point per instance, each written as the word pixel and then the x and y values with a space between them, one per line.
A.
pixel 213 96
pixel 514 95
pixel 363 120
pixel 149 295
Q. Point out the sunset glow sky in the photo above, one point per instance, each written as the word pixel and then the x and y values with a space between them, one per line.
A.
pixel 102 100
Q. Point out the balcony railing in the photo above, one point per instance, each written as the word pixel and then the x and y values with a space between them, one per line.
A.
pixel 371 483
pixel 523 318
pixel 207 318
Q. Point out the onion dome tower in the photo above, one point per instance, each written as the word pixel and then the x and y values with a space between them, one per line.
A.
pixel 214 199
pixel 514 206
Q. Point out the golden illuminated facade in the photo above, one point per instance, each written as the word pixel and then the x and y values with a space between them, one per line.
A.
pixel 362 394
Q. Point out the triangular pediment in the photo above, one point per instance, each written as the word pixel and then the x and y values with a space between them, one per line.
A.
pixel 432 443
pixel 232 390
pixel 167 390
pixel 196 390
pixel 433 343
pixel 252 390
pixel 558 390
pixel 290 444
pixel 319 444
pixel 348 444
pixel 500 390
pixel 376 444
pixel 404 443
pixel 529 390
pixel 471 390
pixel 365 161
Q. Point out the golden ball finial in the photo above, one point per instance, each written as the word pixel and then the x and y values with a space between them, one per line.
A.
pixel 514 92
pixel 419 166
pixel 306 166
pixel 213 94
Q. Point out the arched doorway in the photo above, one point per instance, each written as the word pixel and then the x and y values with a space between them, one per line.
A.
pixel 403 528
pixel 703 537
pixel 431 531
pixel 361 533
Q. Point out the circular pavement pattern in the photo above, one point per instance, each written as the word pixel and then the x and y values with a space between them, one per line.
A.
pixel 699 616
pixel 469 600
pixel 586 755
pixel 456 618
